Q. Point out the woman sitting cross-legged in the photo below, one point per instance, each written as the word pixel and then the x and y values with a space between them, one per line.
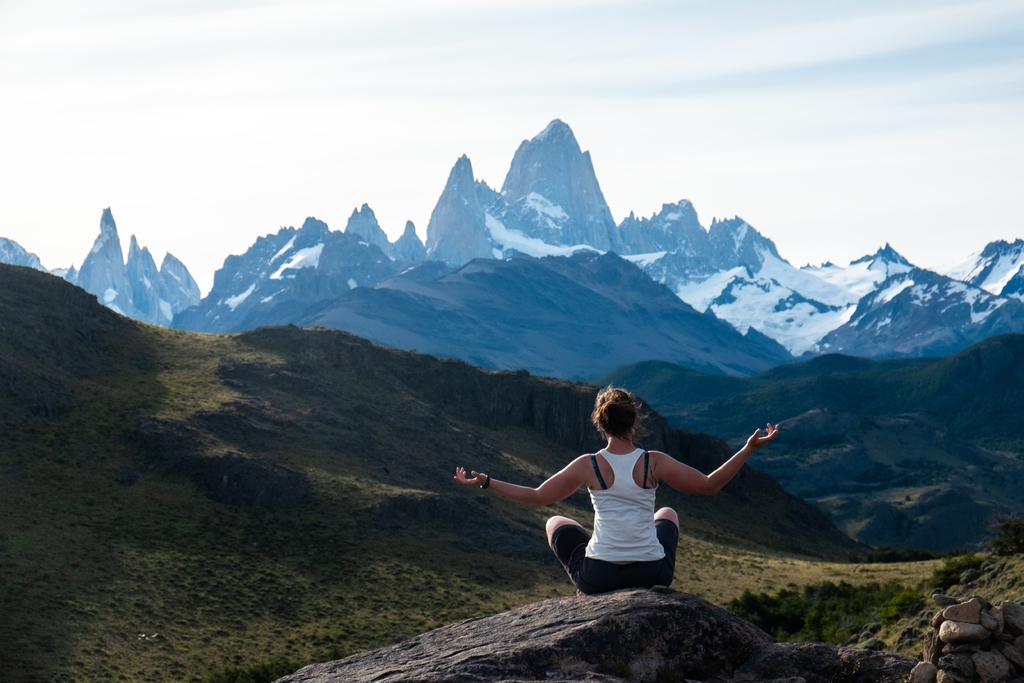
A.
pixel 633 546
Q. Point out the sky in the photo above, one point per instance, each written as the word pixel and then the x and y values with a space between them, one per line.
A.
pixel 833 128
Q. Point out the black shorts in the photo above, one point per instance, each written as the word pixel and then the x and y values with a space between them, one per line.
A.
pixel 597 576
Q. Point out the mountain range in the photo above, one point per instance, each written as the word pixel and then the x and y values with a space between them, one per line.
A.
pixel 550 207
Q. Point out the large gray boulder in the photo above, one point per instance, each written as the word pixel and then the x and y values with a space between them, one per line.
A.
pixel 634 635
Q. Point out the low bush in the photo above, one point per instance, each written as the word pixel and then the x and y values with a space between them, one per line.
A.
pixel 824 612
pixel 902 603
pixel 1009 538
pixel 265 672
pixel 949 573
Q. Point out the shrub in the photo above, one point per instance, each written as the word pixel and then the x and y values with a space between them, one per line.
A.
pixel 265 672
pixel 949 573
pixel 898 605
pixel 1009 538
pixel 822 612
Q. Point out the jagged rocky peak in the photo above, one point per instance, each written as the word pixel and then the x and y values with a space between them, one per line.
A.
pixel 736 241
pixel 103 272
pixel 457 231
pixel 675 227
pixel 885 254
pixel 364 223
pixel 553 194
pixel 408 247
pixel 182 289
pixel 14 254
pixel 144 279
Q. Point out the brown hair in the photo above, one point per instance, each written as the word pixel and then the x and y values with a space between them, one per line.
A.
pixel 616 413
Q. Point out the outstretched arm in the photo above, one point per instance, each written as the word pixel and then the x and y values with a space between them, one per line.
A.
pixel 689 480
pixel 559 487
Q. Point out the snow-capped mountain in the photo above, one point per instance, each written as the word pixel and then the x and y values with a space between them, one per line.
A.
pixel 363 223
pixel 14 254
pixel 136 289
pixel 551 205
pixel 551 193
pixel 992 269
pixel 921 313
pixel 282 274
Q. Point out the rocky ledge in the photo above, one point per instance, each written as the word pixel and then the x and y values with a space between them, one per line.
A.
pixel 658 635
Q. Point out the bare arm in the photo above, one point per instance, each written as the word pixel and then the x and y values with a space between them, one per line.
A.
pixel 558 487
pixel 689 480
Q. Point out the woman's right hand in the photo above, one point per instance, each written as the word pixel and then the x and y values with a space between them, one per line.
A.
pixel 757 440
pixel 477 479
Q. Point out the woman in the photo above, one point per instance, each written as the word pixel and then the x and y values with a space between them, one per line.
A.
pixel 633 546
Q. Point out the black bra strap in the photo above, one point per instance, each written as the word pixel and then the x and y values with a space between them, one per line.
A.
pixel 647 459
pixel 597 471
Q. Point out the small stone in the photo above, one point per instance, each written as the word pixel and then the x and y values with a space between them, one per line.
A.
pixel 984 603
pixel 907 636
pixel 997 612
pixel 976 646
pixel 937 619
pixel 959 665
pixel 1018 643
pixel 923 672
pixel 966 611
pixel 872 644
pixel 1005 637
pixel 988 621
pixel 958 631
pixel 992 667
pixel 968 575
pixel 932 647
pixel 943 600
pixel 1012 654
pixel 948 677
pixel 1013 617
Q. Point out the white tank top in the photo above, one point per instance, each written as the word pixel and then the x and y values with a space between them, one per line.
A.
pixel 624 516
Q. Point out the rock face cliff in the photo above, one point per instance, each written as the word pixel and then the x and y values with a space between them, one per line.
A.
pixel 457 231
pixel 628 635
pixel 553 194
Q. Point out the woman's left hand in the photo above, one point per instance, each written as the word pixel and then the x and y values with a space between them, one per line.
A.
pixel 477 479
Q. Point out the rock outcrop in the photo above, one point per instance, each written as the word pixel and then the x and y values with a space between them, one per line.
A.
pixel 637 635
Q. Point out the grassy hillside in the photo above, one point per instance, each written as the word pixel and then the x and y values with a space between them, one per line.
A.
pixel 919 452
pixel 173 503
